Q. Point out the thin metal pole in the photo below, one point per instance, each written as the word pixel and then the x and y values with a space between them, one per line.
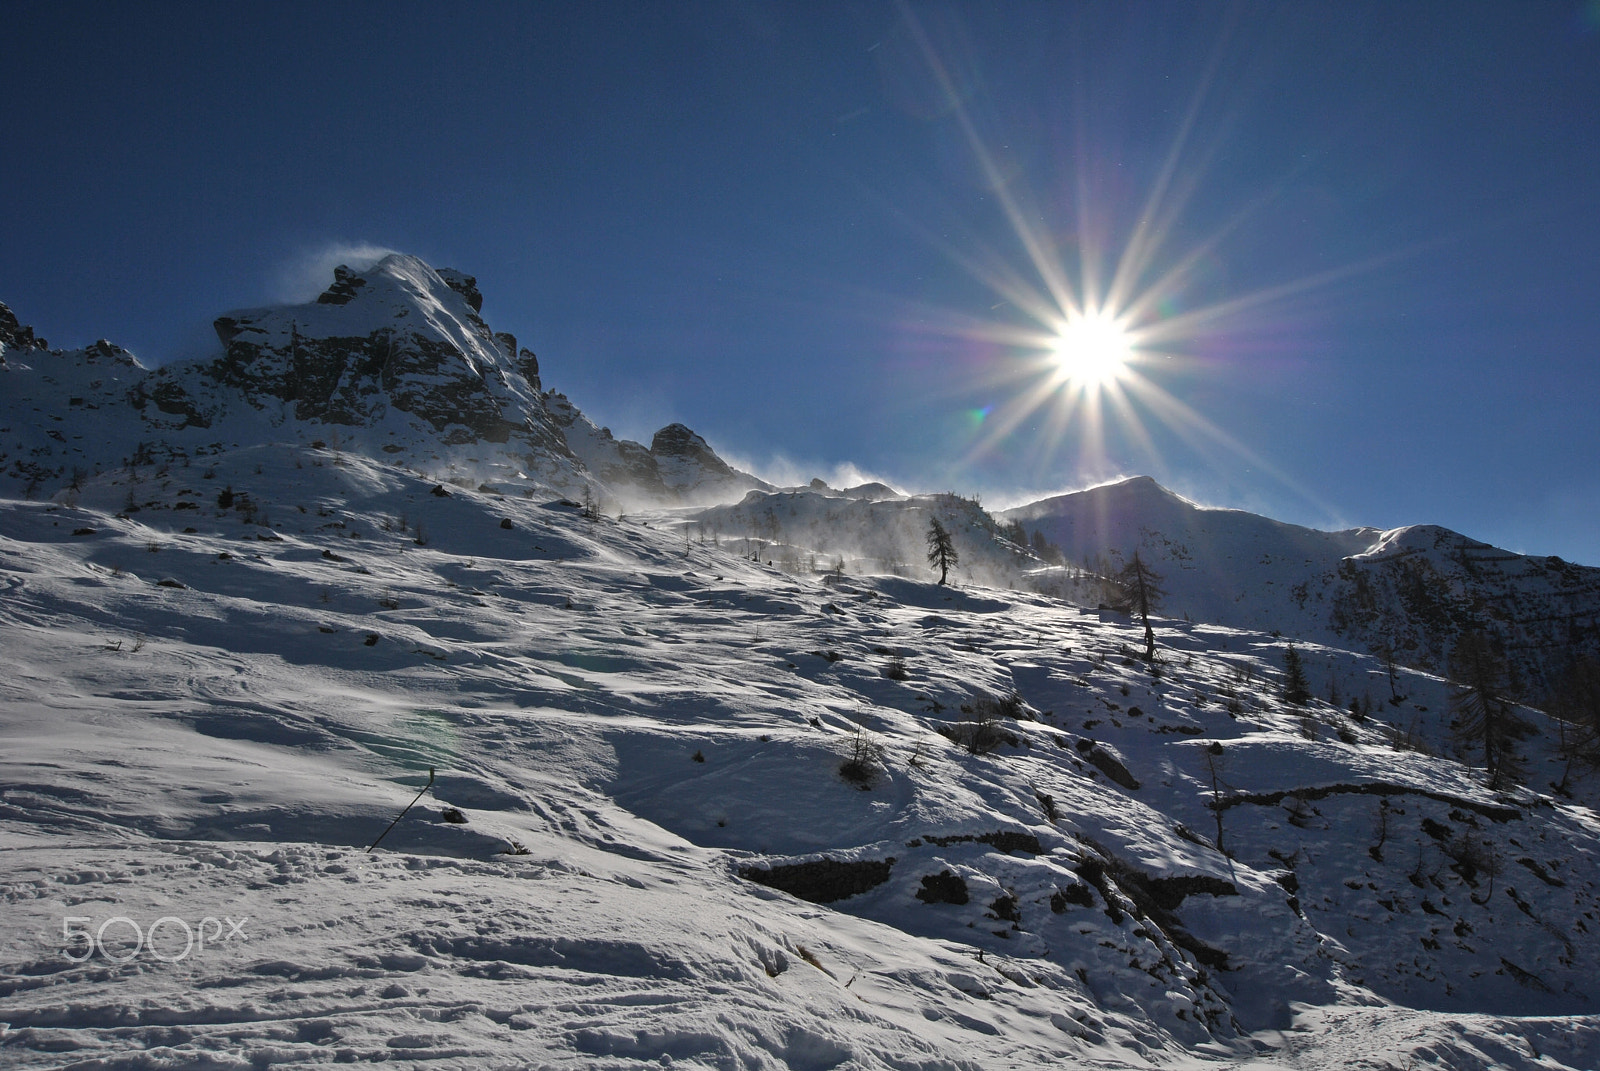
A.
pixel 402 814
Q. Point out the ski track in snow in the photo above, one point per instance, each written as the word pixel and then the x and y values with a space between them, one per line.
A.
pixel 215 724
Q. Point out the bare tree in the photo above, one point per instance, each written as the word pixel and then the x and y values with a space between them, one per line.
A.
pixel 1484 715
pixel 1216 760
pixel 1575 704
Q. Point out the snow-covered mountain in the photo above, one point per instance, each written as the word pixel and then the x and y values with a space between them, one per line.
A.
pixel 395 358
pixel 1410 590
pixel 671 805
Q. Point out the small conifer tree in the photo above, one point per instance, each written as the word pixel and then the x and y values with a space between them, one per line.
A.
pixel 941 549
pixel 1296 689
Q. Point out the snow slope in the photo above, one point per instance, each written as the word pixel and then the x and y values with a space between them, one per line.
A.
pixel 231 670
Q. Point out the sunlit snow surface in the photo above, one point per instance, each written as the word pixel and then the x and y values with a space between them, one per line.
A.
pixel 214 725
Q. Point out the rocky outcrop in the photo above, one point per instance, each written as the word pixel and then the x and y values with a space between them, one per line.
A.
pixel 15 335
pixel 465 285
pixel 343 290
pixel 397 336
pixel 679 442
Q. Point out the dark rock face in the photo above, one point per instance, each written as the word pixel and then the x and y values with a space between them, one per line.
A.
pixel 15 335
pixel 823 881
pixel 345 285
pixel 635 465
pixel 465 285
pixel 528 365
pixel 945 887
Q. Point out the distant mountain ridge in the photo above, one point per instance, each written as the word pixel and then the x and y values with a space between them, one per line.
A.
pixel 395 358
pixel 1412 590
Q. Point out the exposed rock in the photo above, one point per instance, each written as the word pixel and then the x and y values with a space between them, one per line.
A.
pixel 679 441
pixel 15 335
pixel 396 336
pixel 528 365
pixel 343 290
pixel 463 284
pixel 824 880
pixel 945 887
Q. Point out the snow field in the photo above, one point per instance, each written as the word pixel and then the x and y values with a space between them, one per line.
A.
pixel 215 724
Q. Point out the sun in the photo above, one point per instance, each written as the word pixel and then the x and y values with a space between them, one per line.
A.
pixel 1092 350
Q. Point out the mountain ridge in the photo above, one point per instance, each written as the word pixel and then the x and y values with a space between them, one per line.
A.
pixel 396 356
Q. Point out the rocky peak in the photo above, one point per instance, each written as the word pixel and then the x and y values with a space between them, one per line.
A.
pixel 680 441
pixel 15 335
pixel 398 336
pixel 103 351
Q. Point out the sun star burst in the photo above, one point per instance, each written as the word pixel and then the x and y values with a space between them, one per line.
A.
pixel 1092 351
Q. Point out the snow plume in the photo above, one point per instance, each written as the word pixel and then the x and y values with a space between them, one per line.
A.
pixel 303 276
pixel 783 471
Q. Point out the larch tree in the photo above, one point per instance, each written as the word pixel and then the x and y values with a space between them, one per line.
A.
pixel 942 553
pixel 1484 715
pixel 1296 689
pixel 1575 704
pixel 1136 589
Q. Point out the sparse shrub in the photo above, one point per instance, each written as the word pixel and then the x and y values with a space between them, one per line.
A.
pixel 865 761
pixel 895 669
pixel 1047 803
pixel 1077 893
pixel 983 733
pixel 1005 908
pixel 1380 830
pixel 1298 809
pixel 698 756
pixel 1410 738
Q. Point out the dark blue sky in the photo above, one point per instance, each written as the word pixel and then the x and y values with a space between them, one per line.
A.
pixel 759 219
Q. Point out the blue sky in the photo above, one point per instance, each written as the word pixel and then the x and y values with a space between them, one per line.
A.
pixel 811 231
